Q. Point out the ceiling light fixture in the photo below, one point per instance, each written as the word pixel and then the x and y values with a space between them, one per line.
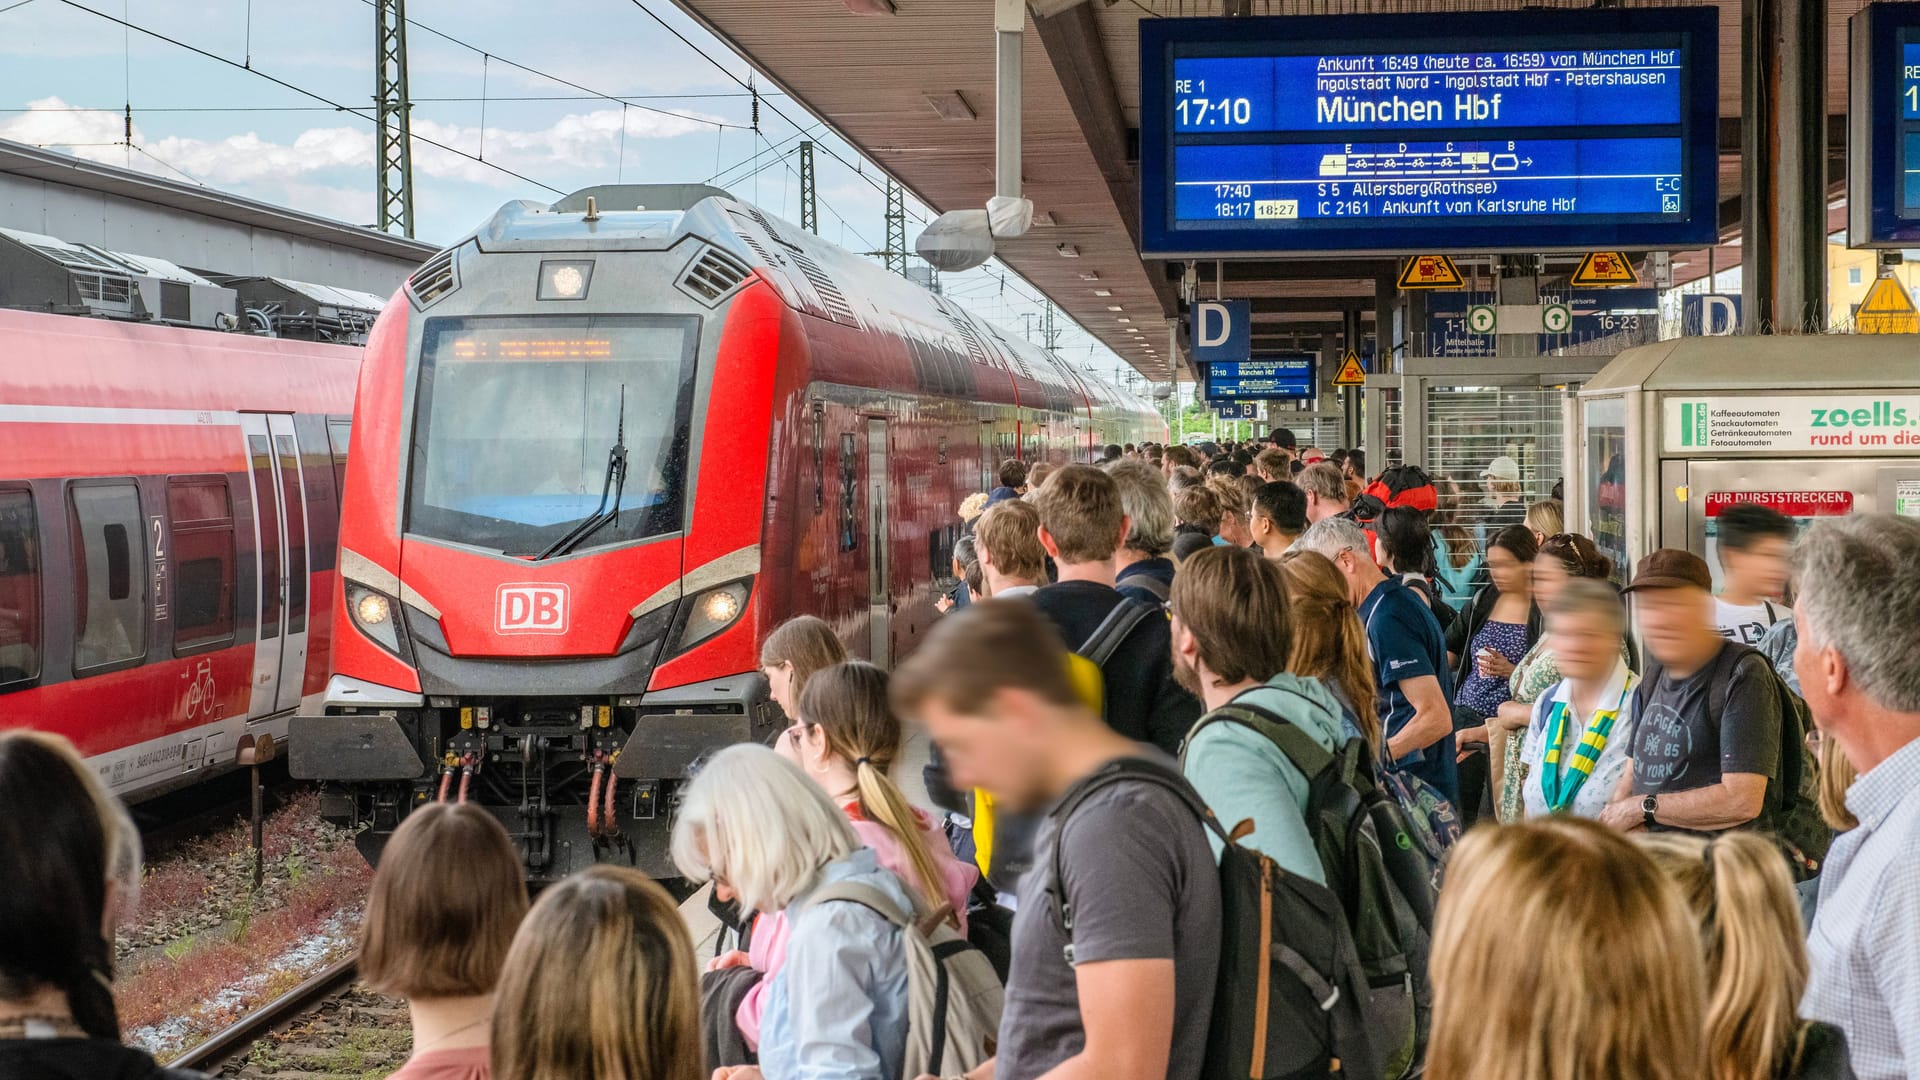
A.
pixel 950 105
pixel 1103 292
pixel 1067 251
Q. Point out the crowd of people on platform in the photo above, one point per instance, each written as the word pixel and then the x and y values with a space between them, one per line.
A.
pixel 1243 760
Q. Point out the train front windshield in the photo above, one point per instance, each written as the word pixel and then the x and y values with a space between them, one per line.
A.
pixel 517 416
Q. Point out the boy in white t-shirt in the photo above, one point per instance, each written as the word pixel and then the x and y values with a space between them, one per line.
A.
pixel 1754 544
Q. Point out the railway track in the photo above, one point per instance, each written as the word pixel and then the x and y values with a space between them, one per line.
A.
pixel 324 1027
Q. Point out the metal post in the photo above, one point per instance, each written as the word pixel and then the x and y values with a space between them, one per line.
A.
pixel 809 210
pixel 1009 22
pixel 896 253
pixel 1783 154
pixel 392 108
pixel 259 832
pixel 254 753
pixel 1350 437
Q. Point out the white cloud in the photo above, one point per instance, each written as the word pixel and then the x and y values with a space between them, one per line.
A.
pixel 589 140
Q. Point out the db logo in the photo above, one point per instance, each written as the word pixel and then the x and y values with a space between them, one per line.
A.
pixel 531 609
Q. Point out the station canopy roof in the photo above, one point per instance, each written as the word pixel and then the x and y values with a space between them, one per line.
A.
pixel 914 91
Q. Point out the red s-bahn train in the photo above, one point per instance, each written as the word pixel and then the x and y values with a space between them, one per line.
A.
pixel 168 505
pixel 602 448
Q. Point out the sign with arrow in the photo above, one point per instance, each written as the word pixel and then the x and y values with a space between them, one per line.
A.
pixel 1604 269
pixel 1352 372
pixel 1887 310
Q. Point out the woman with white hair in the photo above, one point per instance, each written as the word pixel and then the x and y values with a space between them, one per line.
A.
pixel 759 829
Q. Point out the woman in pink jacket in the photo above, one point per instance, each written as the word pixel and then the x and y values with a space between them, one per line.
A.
pixel 847 739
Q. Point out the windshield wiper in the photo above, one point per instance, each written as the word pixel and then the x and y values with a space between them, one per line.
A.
pixel 614 484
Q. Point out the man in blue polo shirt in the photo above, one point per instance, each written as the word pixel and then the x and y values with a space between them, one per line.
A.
pixel 1409 656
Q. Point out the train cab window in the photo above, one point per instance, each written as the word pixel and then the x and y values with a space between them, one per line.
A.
pixel 19 590
pixel 201 512
pixel 339 437
pixel 518 419
pixel 110 576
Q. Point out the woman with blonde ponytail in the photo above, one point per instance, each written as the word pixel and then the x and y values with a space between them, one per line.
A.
pixel 847 743
pixel 849 740
pixel 1739 890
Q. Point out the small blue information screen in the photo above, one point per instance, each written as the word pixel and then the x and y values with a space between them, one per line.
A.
pixel 1531 131
pixel 1263 378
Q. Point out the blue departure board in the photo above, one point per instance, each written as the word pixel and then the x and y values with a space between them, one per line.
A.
pixel 1883 137
pixel 1264 378
pixel 1513 131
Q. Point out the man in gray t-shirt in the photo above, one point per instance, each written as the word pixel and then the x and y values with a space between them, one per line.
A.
pixel 1137 869
pixel 991 685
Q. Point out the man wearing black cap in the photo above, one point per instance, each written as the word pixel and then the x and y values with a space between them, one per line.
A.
pixel 1706 737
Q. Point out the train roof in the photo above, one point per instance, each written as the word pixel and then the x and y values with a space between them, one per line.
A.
pixel 656 217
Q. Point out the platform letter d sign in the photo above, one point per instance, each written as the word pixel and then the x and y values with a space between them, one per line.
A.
pixel 1222 330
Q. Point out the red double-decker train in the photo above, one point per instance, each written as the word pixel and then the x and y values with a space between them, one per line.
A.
pixel 168 503
pixel 602 448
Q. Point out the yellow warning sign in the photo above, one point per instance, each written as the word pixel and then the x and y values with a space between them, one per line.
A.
pixel 1352 373
pixel 1605 268
pixel 1887 310
pixel 1431 272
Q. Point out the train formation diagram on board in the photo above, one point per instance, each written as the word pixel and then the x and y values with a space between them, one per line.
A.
pixel 168 506
pixel 601 448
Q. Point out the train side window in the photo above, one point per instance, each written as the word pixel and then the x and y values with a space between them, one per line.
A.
pixel 339 437
pixel 110 576
pixel 19 590
pixel 201 512
pixel 849 490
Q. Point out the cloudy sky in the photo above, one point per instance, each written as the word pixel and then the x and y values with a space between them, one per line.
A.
pixel 486 80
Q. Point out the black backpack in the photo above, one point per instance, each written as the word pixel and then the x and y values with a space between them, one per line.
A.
pixel 1796 812
pixel 1794 817
pixel 1376 869
pixel 1289 998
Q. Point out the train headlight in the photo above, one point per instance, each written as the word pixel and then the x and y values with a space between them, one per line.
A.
pixel 713 611
pixel 373 613
pixel 565 280
pixel 372 609
pixel 721 607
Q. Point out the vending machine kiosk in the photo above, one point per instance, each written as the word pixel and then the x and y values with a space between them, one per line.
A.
pixel 1670 434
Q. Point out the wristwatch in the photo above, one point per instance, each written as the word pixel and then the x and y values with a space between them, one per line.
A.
pixel 1648 807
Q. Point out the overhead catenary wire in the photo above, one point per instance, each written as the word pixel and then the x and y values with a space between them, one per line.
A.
pixel 823 147
pixel 724 70
pixel 302 91
pixel 551 77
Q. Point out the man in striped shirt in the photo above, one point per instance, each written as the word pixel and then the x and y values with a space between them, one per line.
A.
pixel 1860 672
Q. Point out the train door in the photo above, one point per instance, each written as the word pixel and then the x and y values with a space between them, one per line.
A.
pixel 879 598
pixel 281 575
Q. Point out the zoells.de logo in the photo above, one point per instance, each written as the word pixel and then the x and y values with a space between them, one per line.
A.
pixel 531 609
